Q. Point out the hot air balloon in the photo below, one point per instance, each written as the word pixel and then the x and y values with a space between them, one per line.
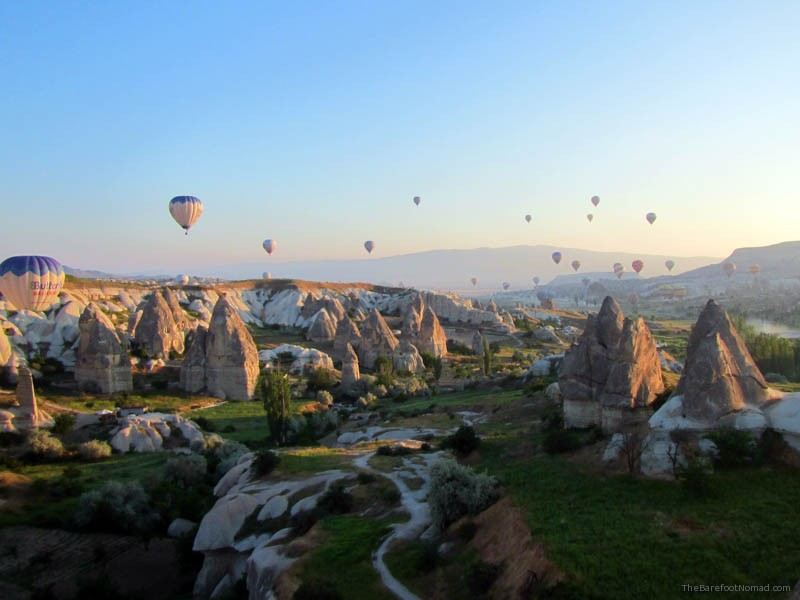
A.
pixel 637 266
pixel 506 285
pixel 182 280
pixel 528 218
pixel 417 200
pixel 589 217
pixel 369 245
pixel 619 270
pixel 266 275
pixel 556 256
pixel 729 268
pixel 670 264
pixel 651 217
pixel 31 282
pixel 754 270
pixel 576 264
pixel 595 200
pixel 474 281
pixel 270 246
pixel 536 280
pixel 186 210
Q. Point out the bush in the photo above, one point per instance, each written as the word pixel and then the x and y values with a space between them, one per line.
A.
pixel 265 462
pixel 221 457
pixel 63 423
pixel 325 398
pixel 384 371
pixel 553 418
pixel 365 477
pixel 695 477
pixel 388 450
pixel 561 440
pixel 186 470
pixel 316 589
pixel 456 347
pixel 366 401
pixel 320 379
pixel 94 450
pixel 463 442
pixel 457 491
pixel 336 501
pixel 44 445
pixel 205 424
pixel 735 448
pixel 116 506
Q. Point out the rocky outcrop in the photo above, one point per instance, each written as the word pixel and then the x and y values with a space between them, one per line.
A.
pixel 351 374
pixel 155 332
pixel 27 415
pixel 225 355
pixel 406 359
pixel 347 334
pixel 103 364
pixel 153 432
pixel 178 314
pixel 432 337
pixel 376 340
pixel 303 359
pixel 323 327
pixel 611 371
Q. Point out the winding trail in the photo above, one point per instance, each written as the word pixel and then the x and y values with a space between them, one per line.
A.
pixel 414 501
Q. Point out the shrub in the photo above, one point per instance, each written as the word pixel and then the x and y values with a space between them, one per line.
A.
pixel 366 401
pixel 695 477
pixel 388 450
pixel 186 470
pixel 735 448
pixel 325 398
pixel 205 424
pixel 316 589
pixel 221 457
pixel 365 477
pixel 275 391
pixel 320 379
pixel 561 440
pixel 553 418
pixel 44 445
pixel 63 423
pixel 463 442
pixel 117 507
pixel 384 371
pixel 456 491
pixel 265 462
pixel 94 450
pixel 335 501
pixel 456 347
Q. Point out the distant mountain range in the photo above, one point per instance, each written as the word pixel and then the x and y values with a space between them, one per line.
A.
pixel 516 265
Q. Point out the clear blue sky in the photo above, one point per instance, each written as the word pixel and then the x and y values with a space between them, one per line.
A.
pixel 315 123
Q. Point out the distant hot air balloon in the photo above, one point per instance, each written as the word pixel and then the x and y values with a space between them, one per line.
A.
pixel 506 285
pixel 417 200
pixel 369 245
pixel 474 281
pixel 556 256
pixel 754 270
pixel 270 246
pixel 595 200
pixel 536 280
pixel 670 264
pixel 651 217
pixel 31 282
pixel 589 217
pixel 182 280
pixel 528 218
pixel 729 268
pixel 186 210
pixel 619 270
pixel 637 266
pixel 576 264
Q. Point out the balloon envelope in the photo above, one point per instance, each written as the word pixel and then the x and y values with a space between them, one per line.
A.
pixel 270 246
pixel 729 268
pixel 637 266
pixel 536 280
pixel 754 269
pixel 589 217
pixel 670 264
pixel 182 280
pixel 266 275
pixel 528 218
pixel 474 281
pixel 651 217
pixel 556 256
pixel 31 282
pixel 506 285
pixel 576 264
pixel 369 245
pixel 595 200
pixel 186 210
pixel 417 200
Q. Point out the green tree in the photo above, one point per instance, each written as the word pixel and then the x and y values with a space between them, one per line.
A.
pixel 488 357
pixel 275 391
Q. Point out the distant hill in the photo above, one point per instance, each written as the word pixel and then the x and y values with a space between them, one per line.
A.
pixel 778 261
pixel 452 269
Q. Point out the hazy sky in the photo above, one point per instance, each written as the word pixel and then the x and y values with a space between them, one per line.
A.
pixel 315 123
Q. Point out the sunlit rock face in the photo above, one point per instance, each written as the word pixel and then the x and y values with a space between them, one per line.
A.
pixel 103 364
pixel 611 371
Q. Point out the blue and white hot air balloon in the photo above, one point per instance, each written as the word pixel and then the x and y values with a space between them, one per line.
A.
pixel 269 246
pixel 31 282
pixel 186 210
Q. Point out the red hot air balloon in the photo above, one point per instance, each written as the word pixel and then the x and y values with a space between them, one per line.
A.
pixel 637 266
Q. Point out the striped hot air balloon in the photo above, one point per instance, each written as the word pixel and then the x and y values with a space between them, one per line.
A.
pixel 31 282
pixel 269 246
pixel 186 210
